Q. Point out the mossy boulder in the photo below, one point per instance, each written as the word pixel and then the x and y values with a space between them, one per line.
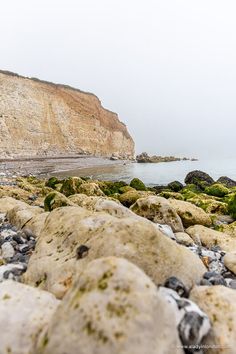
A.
pixel 52 182
pixel 228 182
pixel 126 189
pixel 137 184
pixel 175 186
pixel 217 190
pixel 109 187
pixel 129 198
pixel 90 189
pixel 56 200
pixel 168 194
pixel 71 186
pixel 190 191
pixel 209 205
pixel 232 205
pixel 199 178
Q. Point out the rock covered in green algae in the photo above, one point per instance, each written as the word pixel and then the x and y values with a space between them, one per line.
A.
pixel 175 186
pixel 90 189
pixel 71 185
pixel 130 197
pixel 232 204
pixel 56 200
pixel 137 184
pixel 112 307
pixel 217 190
pixel 199 178
pixel 209 204
pixel 228 182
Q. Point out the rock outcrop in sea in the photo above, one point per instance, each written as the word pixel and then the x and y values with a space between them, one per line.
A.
pixel 145 158
pixel 42 119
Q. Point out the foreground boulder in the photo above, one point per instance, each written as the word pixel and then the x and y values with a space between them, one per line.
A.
pixel 113 307
pixel 199 178
pixel 219 303
pixel 73 236
pixel 190 214
pixel 209 238
pixel 158 210
pixel 24 312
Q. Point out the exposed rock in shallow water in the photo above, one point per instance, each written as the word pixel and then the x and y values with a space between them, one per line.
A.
pixel 113 307
pixel 198 178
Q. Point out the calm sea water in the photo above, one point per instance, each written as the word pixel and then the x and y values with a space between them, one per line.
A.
pixel 160 173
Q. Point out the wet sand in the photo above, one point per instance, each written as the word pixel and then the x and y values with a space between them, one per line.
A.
pixel 57 166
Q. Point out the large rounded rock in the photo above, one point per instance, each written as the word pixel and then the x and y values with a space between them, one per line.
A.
pixel 24 312
pixel 230 261
pixel 158 210
pixel 20 215
pixel 130 197
pixel 73 236
pixel 56 200
pixel 36 224
pixel 90 189
pixel 107 205
pixel 71 185
pixel 8 203
pixel 209 238
pixel 219 303
pixel 199 178
pixel 190 213
pixel 113 307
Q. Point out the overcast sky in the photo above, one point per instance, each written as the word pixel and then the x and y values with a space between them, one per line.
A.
pixel 167 67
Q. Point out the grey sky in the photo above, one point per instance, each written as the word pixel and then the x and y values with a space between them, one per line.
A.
pixel 167 67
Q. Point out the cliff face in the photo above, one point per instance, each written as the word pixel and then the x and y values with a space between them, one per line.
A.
pixel 38 118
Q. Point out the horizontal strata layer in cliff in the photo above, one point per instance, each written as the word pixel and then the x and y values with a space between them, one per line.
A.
pixel 39 118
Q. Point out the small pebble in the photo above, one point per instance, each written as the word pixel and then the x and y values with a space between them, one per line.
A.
pixel 176 285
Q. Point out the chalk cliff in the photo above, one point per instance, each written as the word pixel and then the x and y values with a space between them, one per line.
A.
pixel 39 118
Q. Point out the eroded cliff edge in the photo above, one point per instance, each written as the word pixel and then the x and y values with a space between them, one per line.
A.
pixel 39 118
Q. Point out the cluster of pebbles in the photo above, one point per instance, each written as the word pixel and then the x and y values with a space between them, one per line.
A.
pixel 15 250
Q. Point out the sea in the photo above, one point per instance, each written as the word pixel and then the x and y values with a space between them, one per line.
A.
pixel 158 173
pixel 104 169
